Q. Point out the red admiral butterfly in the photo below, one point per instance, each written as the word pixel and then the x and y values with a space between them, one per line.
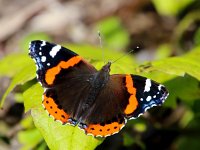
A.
pixel 77 94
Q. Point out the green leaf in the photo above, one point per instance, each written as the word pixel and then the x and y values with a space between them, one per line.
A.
pixel 29 138
pixel 56 135
pixel 170 7
pixel 24 44
pixel 197 37
pixel 9 67
pixel 179 66
pixel 128 140
pixel 41 146
pixel 30 96
pixel 27 122
pixel 185 24
pixel 190 142
pixel 26 74
pixel 185 88
pixel 195 107
pixel 163 51
pixel 187 118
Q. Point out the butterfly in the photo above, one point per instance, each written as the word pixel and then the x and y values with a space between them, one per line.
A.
pixel 78 94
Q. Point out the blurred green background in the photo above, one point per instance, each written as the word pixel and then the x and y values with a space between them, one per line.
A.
pixel 168 36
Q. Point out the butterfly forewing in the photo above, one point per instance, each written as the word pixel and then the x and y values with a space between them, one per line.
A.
pixel 54 60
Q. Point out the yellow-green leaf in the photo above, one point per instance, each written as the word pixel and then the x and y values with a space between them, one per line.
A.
pixel 27 73
pixel 13 63
pixel 188 63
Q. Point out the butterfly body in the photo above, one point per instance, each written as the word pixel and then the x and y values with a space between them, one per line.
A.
pixel 78 94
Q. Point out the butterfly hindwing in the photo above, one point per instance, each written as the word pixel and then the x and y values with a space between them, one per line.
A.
pixel 53 107
pixel 123 97
pixel 148 94
pixel 104 118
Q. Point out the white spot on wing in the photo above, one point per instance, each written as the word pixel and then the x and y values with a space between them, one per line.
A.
pixel 147 85
pixel 154 96
pixel 48 64
pixel 153 105
pixel 54 50
pixel 40 53
pixel 43 59
pixel 43 43
pixel 146 109
pixel 159 87
pixel 148 98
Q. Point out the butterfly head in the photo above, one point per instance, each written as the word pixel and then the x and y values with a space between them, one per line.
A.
pixel 103 74
pixel 106 68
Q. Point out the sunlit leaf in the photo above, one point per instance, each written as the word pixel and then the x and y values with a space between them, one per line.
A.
pixel 170 7
pixel 163 51
pixel 24 44
pixel 26 74
pixel 179 66
pixel 184 88
pixel 197 37
pixel 30 96
pixel 29 138
pixel 13 63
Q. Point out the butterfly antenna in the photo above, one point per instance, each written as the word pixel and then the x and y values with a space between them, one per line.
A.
pixel 125 54
pixel 101 45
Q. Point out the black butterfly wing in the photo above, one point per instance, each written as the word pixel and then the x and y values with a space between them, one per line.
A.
pixel 64 76
pixel 54 62
pixel 67 78
pixel 124 97
pixel 149 93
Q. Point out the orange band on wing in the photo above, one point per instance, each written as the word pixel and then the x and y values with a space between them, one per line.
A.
pixel 103 131
pixel 133 103
pixel 53 110
pixel 51 73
